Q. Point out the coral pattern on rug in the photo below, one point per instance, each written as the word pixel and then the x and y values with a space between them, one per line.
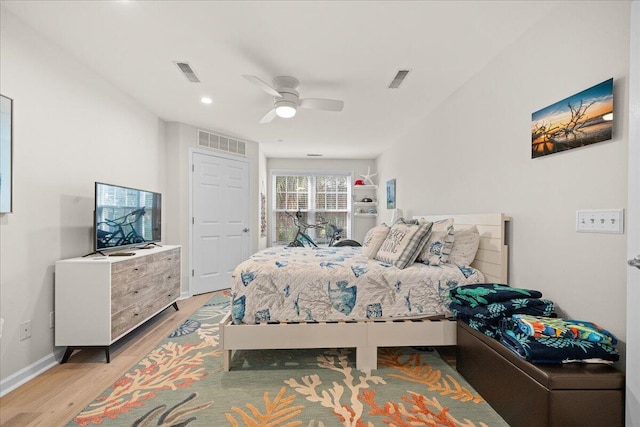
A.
pixel 181 383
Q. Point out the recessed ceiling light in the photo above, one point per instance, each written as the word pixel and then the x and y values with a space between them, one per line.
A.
pixel 206 100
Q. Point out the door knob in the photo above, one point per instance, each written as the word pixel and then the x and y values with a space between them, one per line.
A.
pixel 246 230
pixel 634 262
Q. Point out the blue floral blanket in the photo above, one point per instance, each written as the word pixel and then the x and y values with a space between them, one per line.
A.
pixel 339 284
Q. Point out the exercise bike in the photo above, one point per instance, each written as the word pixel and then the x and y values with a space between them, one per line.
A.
pixel 302 238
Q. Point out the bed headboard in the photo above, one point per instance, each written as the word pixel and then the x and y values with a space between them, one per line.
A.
pixel 492 257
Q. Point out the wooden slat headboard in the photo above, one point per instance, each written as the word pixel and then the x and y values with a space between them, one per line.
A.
pixel 492 258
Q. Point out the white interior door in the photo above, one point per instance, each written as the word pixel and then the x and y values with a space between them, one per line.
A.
pixel 633 228
pixel 220 237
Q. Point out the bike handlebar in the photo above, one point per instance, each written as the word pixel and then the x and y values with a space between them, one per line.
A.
pixel 297 220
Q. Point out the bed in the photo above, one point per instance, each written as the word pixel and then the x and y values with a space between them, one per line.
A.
pixel 406 306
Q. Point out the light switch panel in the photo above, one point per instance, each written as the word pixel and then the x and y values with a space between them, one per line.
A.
pixel 600 221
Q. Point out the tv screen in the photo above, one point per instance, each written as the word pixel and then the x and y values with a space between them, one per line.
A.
pixel 126 216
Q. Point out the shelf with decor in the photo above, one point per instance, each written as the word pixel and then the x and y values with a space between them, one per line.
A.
pixel 365 187
pixel 365 204
pixel 364 201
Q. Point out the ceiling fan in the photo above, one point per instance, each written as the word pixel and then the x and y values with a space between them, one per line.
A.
pixel 287 99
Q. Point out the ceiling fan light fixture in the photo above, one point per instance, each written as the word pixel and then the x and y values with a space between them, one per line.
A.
pixel 285 109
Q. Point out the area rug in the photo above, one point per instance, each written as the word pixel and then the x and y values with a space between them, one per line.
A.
pixel 181 382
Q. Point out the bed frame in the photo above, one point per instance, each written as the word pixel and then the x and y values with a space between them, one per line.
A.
pixel 367 336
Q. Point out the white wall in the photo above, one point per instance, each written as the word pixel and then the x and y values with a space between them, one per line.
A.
pixel 473 154
pixel 71 128
pixel 361 225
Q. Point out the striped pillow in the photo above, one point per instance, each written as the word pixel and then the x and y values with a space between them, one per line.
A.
pixel 403 243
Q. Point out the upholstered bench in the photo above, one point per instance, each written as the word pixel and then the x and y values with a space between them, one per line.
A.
pixel 528 395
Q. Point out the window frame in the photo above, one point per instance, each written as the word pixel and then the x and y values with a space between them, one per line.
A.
pixel 348 174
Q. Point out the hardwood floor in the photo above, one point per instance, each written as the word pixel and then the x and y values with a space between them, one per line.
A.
pixel 54 397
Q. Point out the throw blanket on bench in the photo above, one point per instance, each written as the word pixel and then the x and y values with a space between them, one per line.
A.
pixel 545 349
pixel 563 328
pixel 487 293
pixel 483 306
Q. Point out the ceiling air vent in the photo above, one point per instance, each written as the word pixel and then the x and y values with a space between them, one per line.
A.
pixel 221 143
pixel 398 79
pixel 187 71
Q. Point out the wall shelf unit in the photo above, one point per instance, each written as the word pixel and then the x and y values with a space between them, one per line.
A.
pixel 361 209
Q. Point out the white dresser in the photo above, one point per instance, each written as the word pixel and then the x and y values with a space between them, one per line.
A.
pixel 99 299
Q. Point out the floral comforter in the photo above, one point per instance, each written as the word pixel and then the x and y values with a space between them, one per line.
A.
pixel 339 284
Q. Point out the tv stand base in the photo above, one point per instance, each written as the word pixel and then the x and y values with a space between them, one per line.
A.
pixel 71 349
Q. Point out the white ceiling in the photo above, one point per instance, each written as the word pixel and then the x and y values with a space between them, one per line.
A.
pixel 348 50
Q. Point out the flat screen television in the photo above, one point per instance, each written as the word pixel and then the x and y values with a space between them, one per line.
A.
pixel 126 217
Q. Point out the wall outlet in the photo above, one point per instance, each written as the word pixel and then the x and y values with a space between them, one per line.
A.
pixel 25 330
pixel 600 221
pixel 52 320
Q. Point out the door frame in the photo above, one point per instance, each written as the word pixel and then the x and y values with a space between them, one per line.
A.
pixel 632 382
pixel 223 155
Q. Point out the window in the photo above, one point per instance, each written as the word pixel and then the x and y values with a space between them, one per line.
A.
pixel 321 197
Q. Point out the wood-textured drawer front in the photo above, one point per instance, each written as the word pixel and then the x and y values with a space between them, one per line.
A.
pixel 141 287
pixel 131 316
pixel 127 282
pixel 168 292
pixel 125 319
pixel 165 261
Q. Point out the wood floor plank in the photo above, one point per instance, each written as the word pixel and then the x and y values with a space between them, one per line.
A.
pixel 56 396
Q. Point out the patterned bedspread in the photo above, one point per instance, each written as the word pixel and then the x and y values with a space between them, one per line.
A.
pixel 339 284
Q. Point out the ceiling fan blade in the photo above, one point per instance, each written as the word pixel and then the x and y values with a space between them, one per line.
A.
pixel 262 85
pixel 321 104
pixel 268 117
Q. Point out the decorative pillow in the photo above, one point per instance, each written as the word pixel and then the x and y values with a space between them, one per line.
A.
pixel 465 245
pixel 373 240
pixel 403 243
pixel 438 247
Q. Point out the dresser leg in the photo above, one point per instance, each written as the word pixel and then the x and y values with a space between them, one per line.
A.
pixel 175 305
pixel 67 355
pixel 70 349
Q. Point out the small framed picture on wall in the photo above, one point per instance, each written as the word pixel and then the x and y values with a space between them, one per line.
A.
pixel 391 194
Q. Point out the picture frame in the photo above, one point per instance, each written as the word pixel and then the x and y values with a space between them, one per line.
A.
pixel 391 194
pixel 577 121
pixel 6 154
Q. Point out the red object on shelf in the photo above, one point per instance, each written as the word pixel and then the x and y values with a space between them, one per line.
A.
pixel 359 182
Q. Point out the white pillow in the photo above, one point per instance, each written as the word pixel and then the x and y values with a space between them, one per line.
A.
pixel 438 247
pixel 465 245
pixel 403 243
pixel 373 240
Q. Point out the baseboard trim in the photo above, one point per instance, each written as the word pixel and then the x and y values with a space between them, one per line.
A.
pixel 185 295
pixel 28 373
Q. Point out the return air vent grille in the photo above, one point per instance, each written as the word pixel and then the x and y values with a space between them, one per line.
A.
pixel 221 143
pixel 187 71
pixel 398 79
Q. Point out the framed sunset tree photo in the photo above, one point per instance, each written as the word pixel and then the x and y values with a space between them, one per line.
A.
pixel 579 120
